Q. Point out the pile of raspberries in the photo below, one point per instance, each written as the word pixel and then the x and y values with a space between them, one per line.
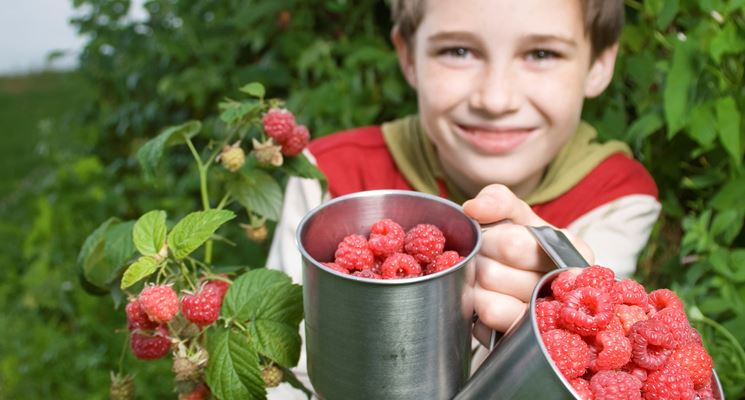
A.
pixel 390 252
pixel 613 340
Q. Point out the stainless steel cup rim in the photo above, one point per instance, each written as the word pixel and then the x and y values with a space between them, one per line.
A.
pixel 387 192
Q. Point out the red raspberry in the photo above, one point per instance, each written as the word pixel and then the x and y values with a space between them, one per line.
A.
pixel 354 254
pixel 336 267
pixel 696 361
pixel 219 286
pixel 651 344
pixel 278 123
pixel 137 318
pixel 596 276
pixel 386 237
pixel 200 392
pixel 367 273
pixel 586 311
pixel 582 388
pixel 669 383
pixel 150 347
pixel 400 265
pixel 424 242
pixel 563 284
pixel 615 385
pixel 296 141
pixel 639 372
pixel 548 314
pixel 677 322
pixel 663 298
pixel 443 262
pixel 614 351
pixel 629 292
pixel 629 315
pixel 160 302
pixel 705 393
pixel 568 351
pixel 202 308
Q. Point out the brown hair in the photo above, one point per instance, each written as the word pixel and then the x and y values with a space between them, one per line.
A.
pixel 603 20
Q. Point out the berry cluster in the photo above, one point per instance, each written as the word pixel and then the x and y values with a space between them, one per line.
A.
pixel 149 314
pixel 390 252
pixel 612 340
pixel 279 124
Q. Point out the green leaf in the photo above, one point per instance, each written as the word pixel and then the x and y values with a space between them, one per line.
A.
pixel 702 128
pixel 667 14
pixel 259 192
pixel 727 224
pixel 233 371
pixel 730 196
pixel 95 267
pixel 119 247
pixel 140 269
pixel 728 122
pixel 254 89
pixel 94 239
pixel 302 167
pixel 727 41
pixel 235 111
pixel 195 229
pixel 149 233
pixel 273 307
pixel 150 153
pixel 677 84
pixel 644 126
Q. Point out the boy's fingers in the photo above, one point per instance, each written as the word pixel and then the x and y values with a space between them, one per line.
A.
pixel 518 283
pixel 496 310
pixel 515 246
pixel 496 203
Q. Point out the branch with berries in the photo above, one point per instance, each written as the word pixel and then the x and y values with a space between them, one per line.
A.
pixel 230 335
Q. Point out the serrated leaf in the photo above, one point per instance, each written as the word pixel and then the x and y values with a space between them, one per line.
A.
pixel 677 86
pixel 92 257
pixel 140 269
pixel 302 167
pixel 150 153
pixel 233 371
pixel 94 239
pixel 119 247
pixel 728 122
pixel 236 111
pixel 259 192
pixel 272 307
pixel 255 89
pixel 195 229
pixel 149 232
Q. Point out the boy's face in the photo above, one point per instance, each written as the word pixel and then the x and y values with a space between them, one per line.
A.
pixel 500 85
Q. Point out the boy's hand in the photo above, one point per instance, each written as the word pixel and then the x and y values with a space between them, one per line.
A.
pixel 511 261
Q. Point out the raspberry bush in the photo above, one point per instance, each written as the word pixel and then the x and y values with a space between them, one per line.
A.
pixel 229 332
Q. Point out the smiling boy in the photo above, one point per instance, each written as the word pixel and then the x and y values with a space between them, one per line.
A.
pixel 500 87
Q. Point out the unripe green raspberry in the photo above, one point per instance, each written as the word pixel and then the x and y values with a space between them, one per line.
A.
pixel 272 376
pixel 232 158
pixel 256 233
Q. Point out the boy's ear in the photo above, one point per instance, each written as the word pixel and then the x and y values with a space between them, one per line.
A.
pixel 601 72
pixel 405 56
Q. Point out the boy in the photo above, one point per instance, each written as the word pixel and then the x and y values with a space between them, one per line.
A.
pixel 500 87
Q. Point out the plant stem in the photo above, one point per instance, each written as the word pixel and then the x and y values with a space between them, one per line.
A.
pixel 724 332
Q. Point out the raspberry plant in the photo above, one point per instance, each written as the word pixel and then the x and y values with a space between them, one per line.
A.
pixel 226 330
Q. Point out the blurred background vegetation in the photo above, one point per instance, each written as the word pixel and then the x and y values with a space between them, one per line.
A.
pixel 67 160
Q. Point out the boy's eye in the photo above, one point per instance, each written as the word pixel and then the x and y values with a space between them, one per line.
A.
pixel 457 52
pixel 542 54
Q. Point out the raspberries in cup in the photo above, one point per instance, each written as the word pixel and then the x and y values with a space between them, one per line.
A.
pixel 612 340
pixel 391 252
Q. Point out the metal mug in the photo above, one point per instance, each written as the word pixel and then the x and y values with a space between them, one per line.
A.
pixel 387 339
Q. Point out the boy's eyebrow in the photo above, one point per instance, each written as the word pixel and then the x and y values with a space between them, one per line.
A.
pixel 551 38
pixel 451 35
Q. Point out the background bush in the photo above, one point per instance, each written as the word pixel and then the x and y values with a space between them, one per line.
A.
pixel 677 100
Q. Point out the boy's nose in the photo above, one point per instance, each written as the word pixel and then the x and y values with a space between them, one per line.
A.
pixel 496 93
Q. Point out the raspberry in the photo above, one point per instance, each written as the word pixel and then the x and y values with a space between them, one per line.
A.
pixel 677 322
pixel 596 276
pixel 200 392
pixel 386 237
pixel 629 292
pixel 256 233
pixel 188 370
pixel 586 311
pixel 202 308
pixel 122 387
pixel 705 393
pixel 651 344
pixel 400 265
pixel 424 242
pixel 582 388
pixel 267 153
pixel 272 376
pixel 232 158
pixel 695 360
pixel 443 262
pixel 614 351
pixel 568 351
pixel 219 286
pixel 615 385
pixel 639 372
pixel 547 314
pixel 629 315
pixel 150 347
pixel 336 267
pixel 367 273
pixel 353 253
pixel 137 318
pixel 296 141
pixel 563 284
pixel 160 302
pixel 278 123
pixel 669 383
pixel 661 299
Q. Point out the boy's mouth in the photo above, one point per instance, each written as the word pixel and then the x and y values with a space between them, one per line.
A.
pixel 494 140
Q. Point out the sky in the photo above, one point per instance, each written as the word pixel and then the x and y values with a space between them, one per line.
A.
pixel 31 29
